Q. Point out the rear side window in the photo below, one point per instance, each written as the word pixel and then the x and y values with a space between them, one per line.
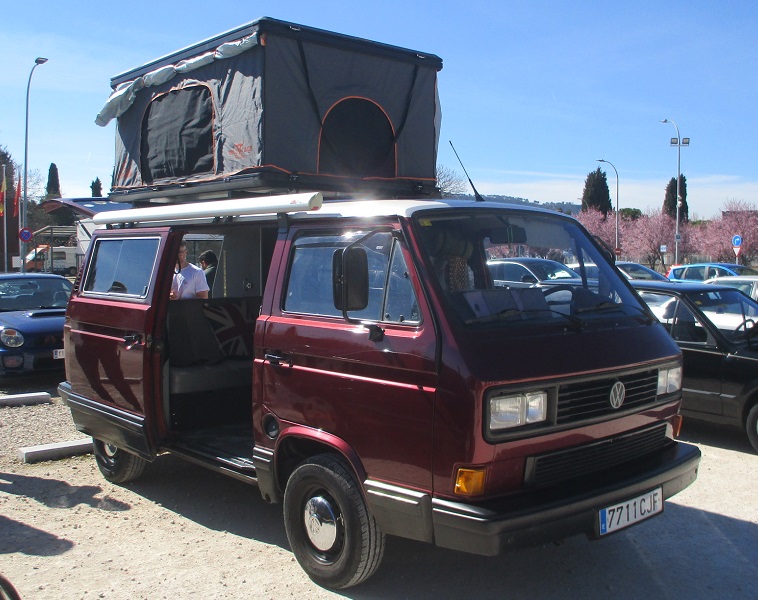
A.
pixel 122 266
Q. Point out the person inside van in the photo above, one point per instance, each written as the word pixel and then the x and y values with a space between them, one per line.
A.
pixel 189 280
pixel 208 263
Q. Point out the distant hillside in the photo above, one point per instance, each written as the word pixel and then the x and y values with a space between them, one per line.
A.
pixel 564 207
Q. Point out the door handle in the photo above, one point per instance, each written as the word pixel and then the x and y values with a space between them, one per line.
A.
pixel 135 339
pixel 278 359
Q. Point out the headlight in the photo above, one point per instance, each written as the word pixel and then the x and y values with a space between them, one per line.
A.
pixel 515 410
pixel 11 338
pixel 669 380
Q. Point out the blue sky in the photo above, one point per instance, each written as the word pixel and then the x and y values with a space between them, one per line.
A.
pixel 532 93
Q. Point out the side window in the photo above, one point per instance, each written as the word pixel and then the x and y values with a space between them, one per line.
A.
pixel 121 266
pixel 696 273
pixel 686 327
pixel 309 287
pixel 401 306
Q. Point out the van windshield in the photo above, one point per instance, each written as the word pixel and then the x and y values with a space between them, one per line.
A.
pixel 510 267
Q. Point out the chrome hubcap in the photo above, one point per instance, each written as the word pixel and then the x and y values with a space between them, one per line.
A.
pixel 109 450
pixel 320 523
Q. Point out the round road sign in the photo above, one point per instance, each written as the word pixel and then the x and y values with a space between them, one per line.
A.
pixel 25 234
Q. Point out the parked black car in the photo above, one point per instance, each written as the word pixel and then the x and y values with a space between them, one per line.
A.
pixel 715 326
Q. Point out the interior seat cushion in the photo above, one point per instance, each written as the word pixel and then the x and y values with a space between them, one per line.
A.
pixel 191 338
pixel 233 324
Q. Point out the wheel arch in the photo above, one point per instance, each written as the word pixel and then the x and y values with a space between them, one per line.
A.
pixel 297 444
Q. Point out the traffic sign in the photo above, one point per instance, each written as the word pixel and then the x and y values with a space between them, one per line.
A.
pixel 25 234
pixel 737 241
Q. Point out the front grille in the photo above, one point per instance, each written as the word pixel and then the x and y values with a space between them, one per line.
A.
pixel 50 340
pixel 554 467
pixel 590 399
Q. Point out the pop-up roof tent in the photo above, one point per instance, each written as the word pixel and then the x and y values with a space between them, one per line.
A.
pixel 272 106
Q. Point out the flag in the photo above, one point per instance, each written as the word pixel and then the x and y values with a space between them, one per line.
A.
pixel 17 198
pixel 2 194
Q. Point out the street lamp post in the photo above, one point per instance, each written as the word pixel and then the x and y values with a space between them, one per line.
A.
pixel 602 160
pixel 678 142
pixel 22 221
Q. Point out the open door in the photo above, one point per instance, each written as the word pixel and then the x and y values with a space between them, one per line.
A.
pixel 113 338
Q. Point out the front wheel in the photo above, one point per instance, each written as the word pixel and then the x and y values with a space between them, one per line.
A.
pixel 751 424
pixel 332 534
pixel 116 465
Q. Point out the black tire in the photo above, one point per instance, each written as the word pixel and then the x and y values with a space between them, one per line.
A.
pixel 7 591
pixel 116 465
pixel 332 534
pixel 751 426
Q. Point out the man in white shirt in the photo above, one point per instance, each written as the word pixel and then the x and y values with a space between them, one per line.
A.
pixel 189 280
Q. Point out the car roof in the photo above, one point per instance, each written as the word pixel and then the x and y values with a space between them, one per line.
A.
pixel 708 264
pixel 525 260
pixel 4 276
pixel 679 287
pixel 734 278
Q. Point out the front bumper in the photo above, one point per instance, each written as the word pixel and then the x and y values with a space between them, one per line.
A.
pixel 531 517
pixel 495 527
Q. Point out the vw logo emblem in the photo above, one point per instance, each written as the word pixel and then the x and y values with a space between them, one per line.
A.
pixel 617 395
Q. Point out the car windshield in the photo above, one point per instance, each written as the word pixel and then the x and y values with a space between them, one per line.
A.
pixel 636 271
pixel 508 267
pixel 27 293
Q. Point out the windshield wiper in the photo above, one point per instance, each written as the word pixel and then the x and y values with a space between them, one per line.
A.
pixel 575 322
pixel 607 306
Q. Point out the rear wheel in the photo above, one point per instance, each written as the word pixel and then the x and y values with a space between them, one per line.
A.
pixel 751 425
pixel 116 465
pixel 332 534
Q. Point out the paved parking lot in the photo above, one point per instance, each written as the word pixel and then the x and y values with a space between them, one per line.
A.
pixel 185 532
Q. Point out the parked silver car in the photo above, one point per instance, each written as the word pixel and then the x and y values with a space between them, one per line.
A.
pixel 747 284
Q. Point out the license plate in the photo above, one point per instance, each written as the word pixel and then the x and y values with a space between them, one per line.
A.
pixel 59 353
pixel 624 514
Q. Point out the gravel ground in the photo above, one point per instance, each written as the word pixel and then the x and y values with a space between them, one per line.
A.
pixel 182 531
pixel 22 426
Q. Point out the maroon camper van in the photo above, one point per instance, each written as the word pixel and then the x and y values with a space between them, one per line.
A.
pixel 356 359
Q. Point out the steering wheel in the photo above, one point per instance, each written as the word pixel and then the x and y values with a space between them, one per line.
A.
pixel 564 287
pixel 550 290
pixel 744 325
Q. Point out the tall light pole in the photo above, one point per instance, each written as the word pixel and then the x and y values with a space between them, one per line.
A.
pixel 617 247
pixel 38 61
pixel 678 142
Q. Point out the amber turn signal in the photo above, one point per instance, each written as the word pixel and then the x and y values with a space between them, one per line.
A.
pixel 469 482
pixel 676 425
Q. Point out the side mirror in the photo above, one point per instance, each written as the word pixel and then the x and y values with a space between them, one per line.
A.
pixel 350 279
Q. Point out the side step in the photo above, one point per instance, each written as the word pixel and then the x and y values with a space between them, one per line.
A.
pixel 233 466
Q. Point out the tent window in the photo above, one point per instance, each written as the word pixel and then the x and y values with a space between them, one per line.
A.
pixel 177 135
pixel 357 141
